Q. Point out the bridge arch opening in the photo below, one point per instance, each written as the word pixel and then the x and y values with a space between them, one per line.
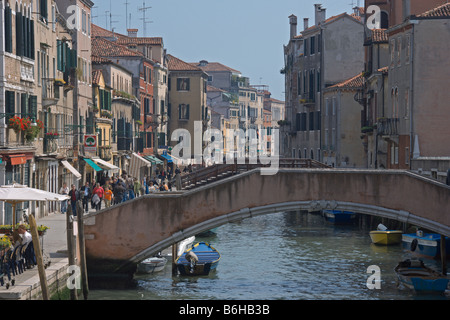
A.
pixel 248 213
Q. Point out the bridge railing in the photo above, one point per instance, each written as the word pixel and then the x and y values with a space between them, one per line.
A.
pixel 222 170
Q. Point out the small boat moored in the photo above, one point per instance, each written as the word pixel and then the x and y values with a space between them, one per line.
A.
pixel 415 275
pixel 199 260
pixel 339 217
pixel 151 265
pixel 383 236
pixel 425 244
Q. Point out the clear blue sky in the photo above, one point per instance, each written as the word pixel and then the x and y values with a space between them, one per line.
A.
pixel 247 35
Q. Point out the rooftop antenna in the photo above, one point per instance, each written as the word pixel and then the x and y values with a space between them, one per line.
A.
pixel 144 11
pixel 93 17
pixel 126 12
pixel 110 16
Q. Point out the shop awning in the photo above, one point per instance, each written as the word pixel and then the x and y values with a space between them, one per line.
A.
pixel 93 165
pixel 105 165
pixel 154 160
pixel 71 169
pixel 18 159
pixel 166 157
pixel 136 163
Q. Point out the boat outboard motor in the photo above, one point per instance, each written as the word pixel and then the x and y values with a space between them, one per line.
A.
pixel 192 259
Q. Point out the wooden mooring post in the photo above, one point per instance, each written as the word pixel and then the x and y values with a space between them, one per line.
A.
pixel 443 256
pixel 39 259
pixel 174 258
pixel 71 247
pixel 82 248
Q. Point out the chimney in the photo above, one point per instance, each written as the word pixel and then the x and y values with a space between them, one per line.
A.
pixel 132 33
pixel 293 23
pixel 305 23
pixel 406 9
pixel 320 14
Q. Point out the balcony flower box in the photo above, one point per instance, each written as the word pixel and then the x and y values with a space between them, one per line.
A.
pixel 19 124
pixel 51 135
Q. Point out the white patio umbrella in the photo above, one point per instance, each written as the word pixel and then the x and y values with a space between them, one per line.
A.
pixel 16 193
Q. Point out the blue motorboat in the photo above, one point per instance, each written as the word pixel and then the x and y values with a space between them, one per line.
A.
pixel 425 244
pixel 339 217
pixel 413 274
pixel 199 260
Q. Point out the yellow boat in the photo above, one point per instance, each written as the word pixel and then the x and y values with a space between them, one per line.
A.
pixel 386 237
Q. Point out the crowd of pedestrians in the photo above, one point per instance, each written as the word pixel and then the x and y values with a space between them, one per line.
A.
pixel 109 191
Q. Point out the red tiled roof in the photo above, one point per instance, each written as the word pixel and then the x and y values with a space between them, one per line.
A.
pixel 105 48
pixel 214 66
pixel 379 35
pixel 334 18
pixel 97 59
pixel 176 64
pixel 214 89
pixel 439 12
pixel 140 40
pixel 98 31
pixel 352 83
pixel 96 75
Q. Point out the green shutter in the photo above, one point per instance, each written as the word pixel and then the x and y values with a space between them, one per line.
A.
pixel 73 56
pixel 24 105
pixel 10 107
pixel 109 100
pixel 58 54
pixel 32 56
pixel 187 112
pixel 8 30
pixel 33 107
pixel 19 34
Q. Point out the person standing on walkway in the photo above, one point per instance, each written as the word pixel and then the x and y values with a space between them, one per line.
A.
pixel 64 191
pixel 99 192
pixel 86 194
pixel 108 197
pixel 74 195
pixel 137 187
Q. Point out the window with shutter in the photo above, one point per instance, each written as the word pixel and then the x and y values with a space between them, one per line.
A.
pixel 10 106
pixel 19 34
pixel 8 30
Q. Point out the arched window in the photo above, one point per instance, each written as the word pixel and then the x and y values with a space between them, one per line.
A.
pixel 384 20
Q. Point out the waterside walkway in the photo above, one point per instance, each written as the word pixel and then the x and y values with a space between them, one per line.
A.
pixel 27 285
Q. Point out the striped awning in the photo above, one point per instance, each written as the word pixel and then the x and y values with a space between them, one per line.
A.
pixel 154 160
pixel 93 165
pixel 71 169
pixel 105 165
pixel 136 163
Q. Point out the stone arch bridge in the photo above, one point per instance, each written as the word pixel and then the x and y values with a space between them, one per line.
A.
pixel 120 237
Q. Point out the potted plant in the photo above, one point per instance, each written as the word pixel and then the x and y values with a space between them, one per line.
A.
pixel 5 243
pixel 59 82
pixel 5 229
pixel 42 229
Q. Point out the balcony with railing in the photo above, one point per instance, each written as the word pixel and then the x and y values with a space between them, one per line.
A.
pixel 50 92
pixel 105 153
pixel 388 126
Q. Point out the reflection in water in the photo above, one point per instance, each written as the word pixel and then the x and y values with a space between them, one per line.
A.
pixel 289 256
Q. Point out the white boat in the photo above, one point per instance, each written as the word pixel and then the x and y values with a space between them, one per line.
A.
pixel 151 265
pixel 181 248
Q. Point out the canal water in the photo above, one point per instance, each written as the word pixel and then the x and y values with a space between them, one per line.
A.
pixel 285 256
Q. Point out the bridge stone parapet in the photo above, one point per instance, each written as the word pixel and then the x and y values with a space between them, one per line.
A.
pixel 119 237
